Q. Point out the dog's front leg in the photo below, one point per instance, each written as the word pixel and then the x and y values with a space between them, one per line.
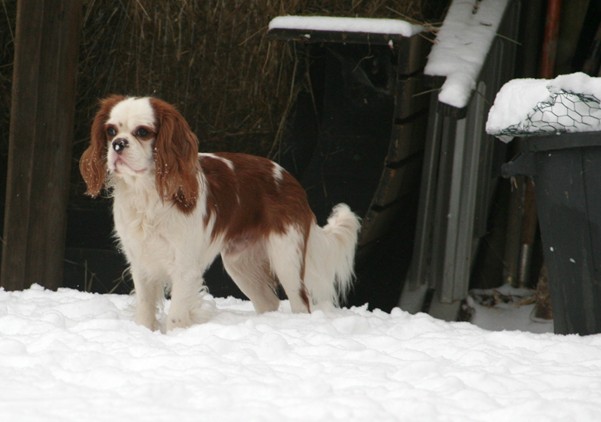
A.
pixel 185 293
pixel 148 294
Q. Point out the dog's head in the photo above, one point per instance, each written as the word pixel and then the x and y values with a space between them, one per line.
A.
pixel 134 138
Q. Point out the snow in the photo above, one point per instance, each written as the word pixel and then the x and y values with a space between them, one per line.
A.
pixel 506 308
pixel 461 47
pixel 72 356
pixel 522 104
pixel 342 24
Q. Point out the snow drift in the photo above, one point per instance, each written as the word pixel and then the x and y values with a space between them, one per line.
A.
pixel 72 356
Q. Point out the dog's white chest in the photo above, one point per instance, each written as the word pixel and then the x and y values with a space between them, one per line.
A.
pixel 144 229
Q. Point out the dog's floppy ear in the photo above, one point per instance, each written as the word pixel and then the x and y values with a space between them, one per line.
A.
pixel 176 157
pixel 92 164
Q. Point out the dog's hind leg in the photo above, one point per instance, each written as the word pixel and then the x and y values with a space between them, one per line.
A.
pixel 287 257
pixel 250 271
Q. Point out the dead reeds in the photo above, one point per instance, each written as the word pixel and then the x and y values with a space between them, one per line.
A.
pixel 210 58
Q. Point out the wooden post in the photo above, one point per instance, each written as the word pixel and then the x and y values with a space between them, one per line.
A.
pixel 40 141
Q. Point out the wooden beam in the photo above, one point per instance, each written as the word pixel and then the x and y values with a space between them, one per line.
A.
pixel 40 141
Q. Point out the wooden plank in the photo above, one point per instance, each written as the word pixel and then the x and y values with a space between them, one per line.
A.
pixel 411 51
pixel 410 97
pixel 398 181
pixel 40 138
pixel 338 37
pixel 412 55
pixel 377 222
pixel 407 138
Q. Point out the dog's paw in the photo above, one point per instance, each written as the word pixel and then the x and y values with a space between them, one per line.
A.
pixel 149 322
pixel 180 321
pixel 203 310
pixel 195 310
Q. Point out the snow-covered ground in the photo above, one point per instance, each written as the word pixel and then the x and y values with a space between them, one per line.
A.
pixel 73 356
pixel 506 308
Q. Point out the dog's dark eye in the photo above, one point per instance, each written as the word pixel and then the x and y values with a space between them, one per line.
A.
pixel 141 132
pixel 111 131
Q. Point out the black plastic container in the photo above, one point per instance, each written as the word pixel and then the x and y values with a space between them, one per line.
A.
pixel 566 170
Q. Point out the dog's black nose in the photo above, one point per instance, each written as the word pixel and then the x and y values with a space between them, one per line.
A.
pixel 120 144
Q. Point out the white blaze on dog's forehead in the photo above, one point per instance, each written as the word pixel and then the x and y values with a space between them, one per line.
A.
pixel 132 112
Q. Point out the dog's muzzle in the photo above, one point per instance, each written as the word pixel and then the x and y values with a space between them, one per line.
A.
pixel 120 144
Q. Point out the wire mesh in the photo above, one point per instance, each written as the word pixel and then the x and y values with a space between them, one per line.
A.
pixel 564 111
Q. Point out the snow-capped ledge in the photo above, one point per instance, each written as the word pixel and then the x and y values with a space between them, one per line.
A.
pixel 461 46
pixel 343 24
pixel 568 103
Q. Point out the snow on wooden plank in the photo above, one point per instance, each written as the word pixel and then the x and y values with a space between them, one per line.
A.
pixel 342 29
pixel 461 47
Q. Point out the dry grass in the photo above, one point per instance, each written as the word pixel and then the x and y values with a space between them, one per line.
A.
pixel 211 58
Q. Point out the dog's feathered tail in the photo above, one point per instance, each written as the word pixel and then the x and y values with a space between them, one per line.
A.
pixel 330 257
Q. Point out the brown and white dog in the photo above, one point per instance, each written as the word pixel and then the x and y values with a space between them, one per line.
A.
pixel 175 210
